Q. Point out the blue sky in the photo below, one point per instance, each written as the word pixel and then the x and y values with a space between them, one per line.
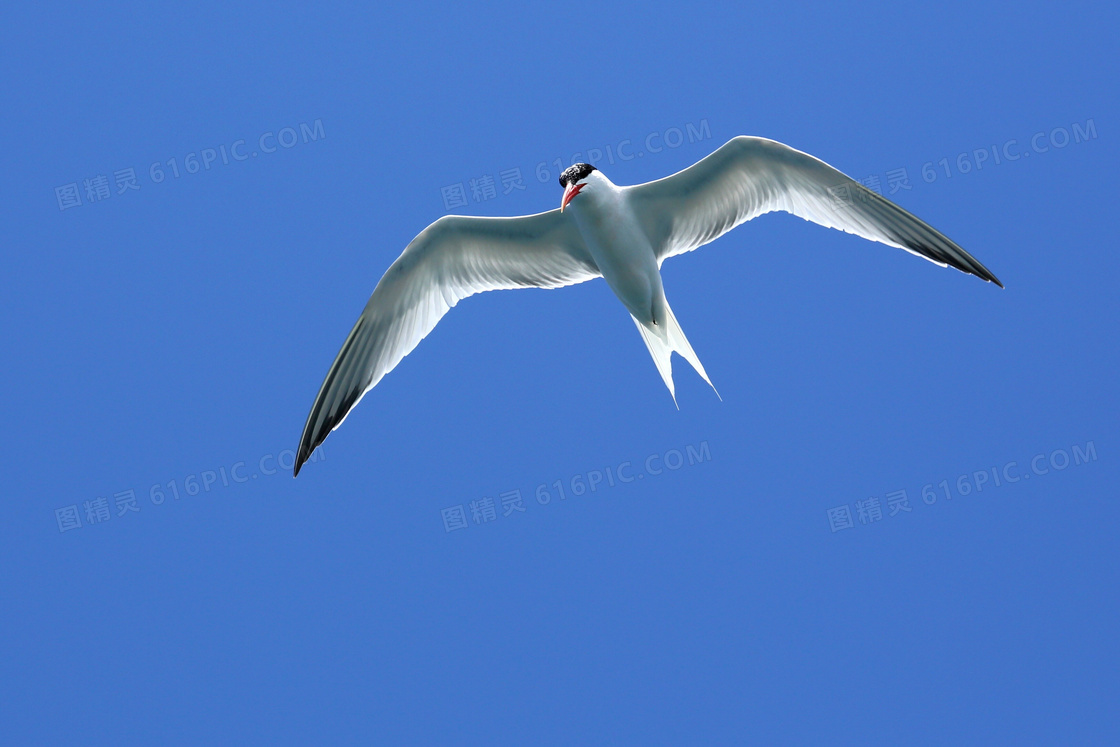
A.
pixel 899 525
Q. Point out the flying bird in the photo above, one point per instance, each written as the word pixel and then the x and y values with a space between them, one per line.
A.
pixel 622 234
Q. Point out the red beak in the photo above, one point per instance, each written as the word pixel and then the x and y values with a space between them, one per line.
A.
pixel 570 191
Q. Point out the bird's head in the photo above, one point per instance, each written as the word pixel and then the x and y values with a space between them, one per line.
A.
pixel 573 180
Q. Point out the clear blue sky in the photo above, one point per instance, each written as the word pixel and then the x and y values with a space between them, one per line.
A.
pixel 744 572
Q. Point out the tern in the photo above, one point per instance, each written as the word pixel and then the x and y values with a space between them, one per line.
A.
pixel 621 234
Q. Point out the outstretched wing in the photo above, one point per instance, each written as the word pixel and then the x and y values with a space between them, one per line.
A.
pixel 750 176
pixel 451 259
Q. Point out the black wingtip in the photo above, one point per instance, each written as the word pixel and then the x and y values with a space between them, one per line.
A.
pixel 978 270
pixel 299 463
pixel 987 276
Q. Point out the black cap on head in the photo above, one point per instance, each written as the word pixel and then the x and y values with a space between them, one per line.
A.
pixel 575 172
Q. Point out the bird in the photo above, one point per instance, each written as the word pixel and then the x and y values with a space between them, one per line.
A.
pixel 622 234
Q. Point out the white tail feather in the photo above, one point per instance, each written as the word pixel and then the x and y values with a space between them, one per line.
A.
pixel 661 353
pixel 663 341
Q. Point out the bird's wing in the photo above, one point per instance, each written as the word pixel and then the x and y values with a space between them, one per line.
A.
pixel 451 259
pixel 750 176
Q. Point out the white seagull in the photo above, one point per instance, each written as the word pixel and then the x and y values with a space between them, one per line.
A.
pixel 621 234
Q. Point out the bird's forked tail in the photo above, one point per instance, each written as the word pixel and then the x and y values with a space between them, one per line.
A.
pixel 663 340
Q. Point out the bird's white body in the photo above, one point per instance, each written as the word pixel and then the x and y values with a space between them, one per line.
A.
pixel 622 234
pixel 614 236
pixel 621 250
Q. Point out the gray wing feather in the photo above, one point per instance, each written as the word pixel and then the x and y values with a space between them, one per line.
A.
pixel 750 176
pixel 451 259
